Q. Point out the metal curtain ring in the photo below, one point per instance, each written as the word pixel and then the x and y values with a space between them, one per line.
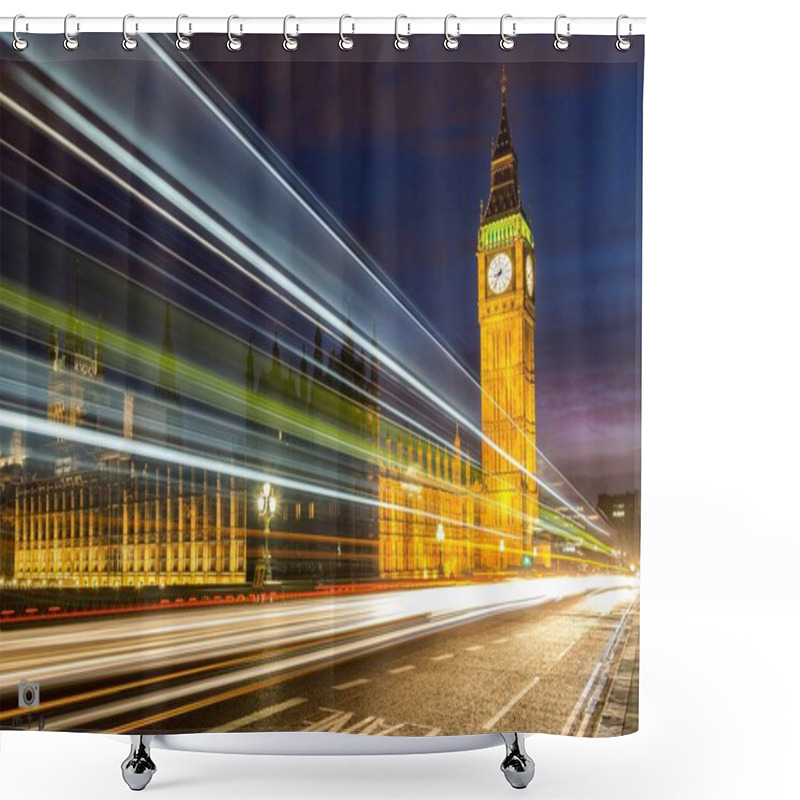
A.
pixel 401 42
pixel 560 42
pixel 507 42
pixel 234 44
pixel 289 42
pixel 345 42
pixel 451 42
pixel 622 44
pixel 70 42
pixel 181 41
pixel 19 44
pixel 128 43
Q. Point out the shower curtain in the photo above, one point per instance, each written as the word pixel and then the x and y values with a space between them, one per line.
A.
pixel 320 385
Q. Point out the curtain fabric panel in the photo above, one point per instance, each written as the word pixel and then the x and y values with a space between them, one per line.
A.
pixel 320 386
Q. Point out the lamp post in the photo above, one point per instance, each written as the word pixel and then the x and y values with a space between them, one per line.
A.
pixel 440 539
pixel 267 503
pixel 502 550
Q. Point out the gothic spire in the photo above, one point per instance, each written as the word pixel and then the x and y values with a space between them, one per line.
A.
pixel 167 387
pixel 502 144
pixel 250 367
pixel 504 197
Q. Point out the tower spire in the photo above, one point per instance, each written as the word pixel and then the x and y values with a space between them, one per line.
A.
pixel 167 386
pixel 504 197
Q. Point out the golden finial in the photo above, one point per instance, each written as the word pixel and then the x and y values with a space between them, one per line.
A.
pixel 503 81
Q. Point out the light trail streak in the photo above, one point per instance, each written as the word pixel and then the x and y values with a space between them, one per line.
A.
pixel 265 266
pixel 257 641
pixel 372 269
pixel 275 412
pixel 18 421
pixel 87 436
pixel 389 407
pixel 394 410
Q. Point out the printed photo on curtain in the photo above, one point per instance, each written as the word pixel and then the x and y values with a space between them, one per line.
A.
pixel 320 386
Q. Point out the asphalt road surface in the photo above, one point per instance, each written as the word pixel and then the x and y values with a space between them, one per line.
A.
pixel 526 655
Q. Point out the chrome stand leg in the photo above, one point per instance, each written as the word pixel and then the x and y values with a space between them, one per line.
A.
pixel 138 768
pixel 517 766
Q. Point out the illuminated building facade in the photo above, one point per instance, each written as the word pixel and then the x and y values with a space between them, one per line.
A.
pixel 85 518
pixel 623 512
pixel 130 524
pixel 423 486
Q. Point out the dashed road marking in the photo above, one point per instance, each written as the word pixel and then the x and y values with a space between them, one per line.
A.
pixel 510 704
pixel 502 640
pixel 333 720
pixel 474 648
pixel 398 670
pixel 350 684
pixel 443 657
pixel 269 711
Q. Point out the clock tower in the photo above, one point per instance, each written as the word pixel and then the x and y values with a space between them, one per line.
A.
pixel 506 313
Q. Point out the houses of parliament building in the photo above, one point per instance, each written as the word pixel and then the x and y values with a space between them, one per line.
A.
pixel 103 518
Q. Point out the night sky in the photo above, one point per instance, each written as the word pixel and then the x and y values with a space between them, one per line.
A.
pixel 398 146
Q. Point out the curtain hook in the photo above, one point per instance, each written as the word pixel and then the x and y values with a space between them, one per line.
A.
pixel 182 42
pixel 401 42
pixel 622 44
pixel 345 42
pixel 289 42
pixel 19 44
pixel 234 44
pixel 451 42
pixel 560 42
pixel 128 43
pixel 507 42
pixel 70 42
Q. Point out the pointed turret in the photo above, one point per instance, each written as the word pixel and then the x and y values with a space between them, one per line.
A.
pixel 504 197
pixel 53 350
pixel 167 386
pixel 250 368
pixel 304 398
pixel 99 350
pixel 166 389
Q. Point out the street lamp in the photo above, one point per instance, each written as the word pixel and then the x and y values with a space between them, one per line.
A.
pixel 440 539
pixel 502 550
pixel 267 503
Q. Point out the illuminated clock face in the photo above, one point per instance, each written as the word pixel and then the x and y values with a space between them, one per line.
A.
pixel 529 276
pixel 499 273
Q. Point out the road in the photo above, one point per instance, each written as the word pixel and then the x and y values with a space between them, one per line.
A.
pixel 522 655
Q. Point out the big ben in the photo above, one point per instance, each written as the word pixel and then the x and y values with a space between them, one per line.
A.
pixel 507 314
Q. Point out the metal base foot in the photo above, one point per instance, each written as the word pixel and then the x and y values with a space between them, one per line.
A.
pixel 138 768
pixel 517 766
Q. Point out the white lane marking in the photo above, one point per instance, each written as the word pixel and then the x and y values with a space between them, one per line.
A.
pixel 608 655
pixel 398 670
pixel 502 640
pixel 474 648
pixel 510 704
pixel 579 705
pixel 443 657
pixel 350 684
pixel 520 695
pixel 522 635
pixel 570 646
pixel 269 711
